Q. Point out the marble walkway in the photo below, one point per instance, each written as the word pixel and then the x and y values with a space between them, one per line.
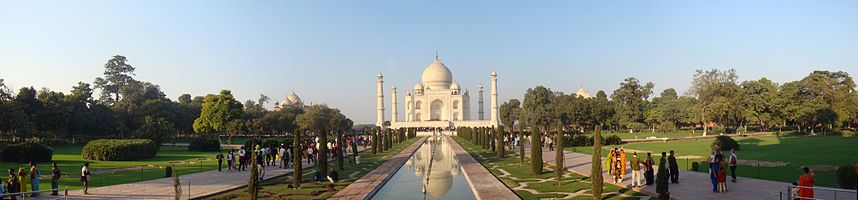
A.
pixel 194 186
pixel 692 185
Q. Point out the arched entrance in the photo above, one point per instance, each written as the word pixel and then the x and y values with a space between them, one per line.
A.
pixel 436 110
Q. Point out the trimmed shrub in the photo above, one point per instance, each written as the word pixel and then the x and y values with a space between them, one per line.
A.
pixel 695 166
pixel 119 150
pixel 612 140
pixel 169 171
pixel 846 177
pixel 204 144
pixel 26 152
pixel 726 143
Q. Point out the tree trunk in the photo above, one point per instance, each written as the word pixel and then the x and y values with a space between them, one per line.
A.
pixel 322 161
pixel 340 150
pixel 703 120
pixel 558 153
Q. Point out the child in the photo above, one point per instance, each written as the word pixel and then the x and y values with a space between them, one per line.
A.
pixel 722 175
pixel 794 191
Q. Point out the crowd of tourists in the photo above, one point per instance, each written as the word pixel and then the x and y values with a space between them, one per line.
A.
pixel 20 181
pixel 284 155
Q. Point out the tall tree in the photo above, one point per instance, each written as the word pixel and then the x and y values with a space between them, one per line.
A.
pixel 509 112
pixel 596 168
pixel 759 100
pixel 631 100
pixel 708 88
pixel 316 118
pixel 117 74
pixel 217 111
pixel 538 111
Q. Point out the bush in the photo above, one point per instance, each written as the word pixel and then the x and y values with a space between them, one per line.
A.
pixel 117 150
pixel 847 177
pixel 26 152
pixel 51 141
pixel 612 140
pixel 695 166
pixel 169 171
pixel 726 143
pixel 202 143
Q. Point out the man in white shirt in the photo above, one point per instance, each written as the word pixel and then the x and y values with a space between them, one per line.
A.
pixel 242 159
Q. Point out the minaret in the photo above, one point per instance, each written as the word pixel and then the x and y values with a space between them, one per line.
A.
pixel 494 111
pixel 480 102
pixel 393 106
pixel 380 107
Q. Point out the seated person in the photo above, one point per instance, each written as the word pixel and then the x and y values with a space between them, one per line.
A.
pixel 333 176
pixel 317 177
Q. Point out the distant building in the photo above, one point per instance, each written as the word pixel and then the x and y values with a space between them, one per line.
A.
pixel 583 93
pixel 291 101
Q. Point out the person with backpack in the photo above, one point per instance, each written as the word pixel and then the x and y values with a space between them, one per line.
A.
pixel 733 161
pixel 649 172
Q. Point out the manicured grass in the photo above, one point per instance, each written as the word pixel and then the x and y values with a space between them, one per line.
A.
pixel 795 151
pixel 105 173
pixel 279 188
pixel 520 174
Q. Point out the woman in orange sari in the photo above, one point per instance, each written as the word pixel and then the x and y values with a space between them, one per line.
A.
pixel 806 180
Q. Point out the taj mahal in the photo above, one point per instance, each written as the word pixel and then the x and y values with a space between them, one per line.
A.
pixel 438 102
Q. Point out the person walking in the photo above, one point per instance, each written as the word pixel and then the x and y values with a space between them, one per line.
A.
pixel 219 158
pixel 649 172
pixel 722 175
pixel 623 160
pixel 713 172
pixel 12 184
pixel 34 179
pixel 674 168
pixel 609 163
pixel 23 179
pixel 230 160
pixel 733 161
pixel 242 158
pixel 284 158
pixel 55 178
pixel 84 177
pixel 806 181
pixel 636 170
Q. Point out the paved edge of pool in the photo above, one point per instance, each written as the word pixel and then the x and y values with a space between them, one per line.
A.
pixel 483 183
pixel 369 184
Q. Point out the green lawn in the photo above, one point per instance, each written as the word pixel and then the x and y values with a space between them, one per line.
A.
pixel 520 174
pixel 278 188
pixel 824 152
pixel 105 173
pixel 646 134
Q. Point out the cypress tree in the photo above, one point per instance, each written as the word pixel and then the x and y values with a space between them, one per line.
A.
pixel 558 159
pixel 596 169
pixel 340 150
pixel 374 140
pixel 521 144
pixel 661 185
pixel 499 141
pixel 253 182
pixel 536 152
pixel 297 152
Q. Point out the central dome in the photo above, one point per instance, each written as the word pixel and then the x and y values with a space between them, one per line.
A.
pixel 437 76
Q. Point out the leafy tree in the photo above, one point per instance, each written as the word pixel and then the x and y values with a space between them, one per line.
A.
pixel 708 88
pixel 156 129
pixel 316 118
pixel 665 112
pixel 538 111
pixel 217 111
pixel 630 100
pixel 603 110
pixel 233 128
pixel 758 99
pixel 117 74
pixel 509 112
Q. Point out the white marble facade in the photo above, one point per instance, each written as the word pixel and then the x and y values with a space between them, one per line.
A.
pixel 437 101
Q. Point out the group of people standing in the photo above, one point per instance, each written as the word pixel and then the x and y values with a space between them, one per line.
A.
pixel 718 166
pixel 19 180
pixel 616 164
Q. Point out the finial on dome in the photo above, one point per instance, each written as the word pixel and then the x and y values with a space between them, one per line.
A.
pixel 436 55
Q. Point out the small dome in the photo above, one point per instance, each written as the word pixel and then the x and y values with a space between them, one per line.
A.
pixel 418 86
pixel 583 93
pixel 293 98
pixel 437 75
pixel 454 86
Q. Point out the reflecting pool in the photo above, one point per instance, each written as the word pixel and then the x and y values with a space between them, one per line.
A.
pixel 431 173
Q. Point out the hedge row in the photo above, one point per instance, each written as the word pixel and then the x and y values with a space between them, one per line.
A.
pixel 579 140
pixel 203 143
pixel 26 152
pixel 116 149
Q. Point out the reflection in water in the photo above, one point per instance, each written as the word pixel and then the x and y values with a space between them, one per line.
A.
pixel 435 173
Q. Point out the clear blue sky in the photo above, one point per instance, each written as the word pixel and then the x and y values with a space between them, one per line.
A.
pixel 329 51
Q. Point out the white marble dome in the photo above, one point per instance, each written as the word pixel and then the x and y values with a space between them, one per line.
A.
pixel 437 76
pixel 455 86
pixel 418 86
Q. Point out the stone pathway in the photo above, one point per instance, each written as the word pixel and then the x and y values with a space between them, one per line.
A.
pixel 194 186
pixel 693 185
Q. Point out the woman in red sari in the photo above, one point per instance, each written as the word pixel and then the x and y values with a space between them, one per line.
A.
pixel 806 180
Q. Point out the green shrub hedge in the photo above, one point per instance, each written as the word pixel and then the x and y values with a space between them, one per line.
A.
pixel 203 143
pixel 847 177
pixel 116 149
pixel 26 152
pixel 726 143
pixel 580 140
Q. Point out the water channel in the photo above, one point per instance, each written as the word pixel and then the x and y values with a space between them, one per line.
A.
pixel 431 173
